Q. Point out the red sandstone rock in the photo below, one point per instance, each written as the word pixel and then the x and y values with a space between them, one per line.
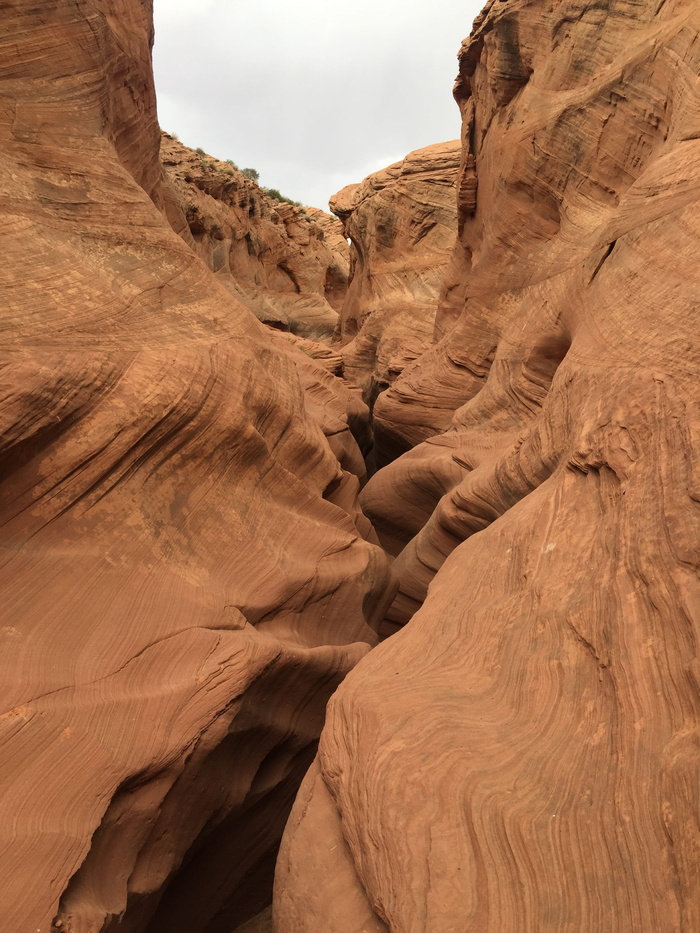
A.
pixel 523 755
pixel 184 571
pixel 288 264
pixel 402 223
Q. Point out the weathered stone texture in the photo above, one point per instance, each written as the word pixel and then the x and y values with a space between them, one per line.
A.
pixel 523 756
pixel 185 573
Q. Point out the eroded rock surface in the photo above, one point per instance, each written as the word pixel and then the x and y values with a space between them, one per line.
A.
pixel 402 222
pixel 185 573
pixel 288 264
pixel 523 756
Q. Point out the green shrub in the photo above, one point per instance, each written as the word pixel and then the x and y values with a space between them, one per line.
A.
pixel 200 151
pixel 276 195
pixel 232 164
pixel 251 173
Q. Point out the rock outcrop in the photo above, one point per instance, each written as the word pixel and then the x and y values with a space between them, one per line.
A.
pixel 185 573
pixel 288 264
pixel 402 223
pixel 523 756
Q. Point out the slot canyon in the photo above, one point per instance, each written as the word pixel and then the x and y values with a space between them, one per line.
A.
pixel 349 567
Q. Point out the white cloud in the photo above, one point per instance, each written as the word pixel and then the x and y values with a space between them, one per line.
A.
pixel 308 92
pixel 176 12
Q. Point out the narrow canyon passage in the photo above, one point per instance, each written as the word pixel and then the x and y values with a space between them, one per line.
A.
pixel 387 520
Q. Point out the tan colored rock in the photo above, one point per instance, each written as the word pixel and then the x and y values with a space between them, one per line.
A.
pixel 402 223
pixel 287 263
pixel 185 574
pixel 523 756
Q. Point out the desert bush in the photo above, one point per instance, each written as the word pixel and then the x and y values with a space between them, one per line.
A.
pixel 276 195
pixel 252 173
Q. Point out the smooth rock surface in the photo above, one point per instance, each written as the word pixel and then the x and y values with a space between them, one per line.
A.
pixel 523 756
pixel 185 573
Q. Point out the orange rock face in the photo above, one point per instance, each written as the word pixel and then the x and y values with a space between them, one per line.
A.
pixel 402 223
pixel 523 756
pixel 288 264
pixel 184 571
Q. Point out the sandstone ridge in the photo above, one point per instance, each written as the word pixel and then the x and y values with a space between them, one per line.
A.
pixel 402 223
pixel 287 263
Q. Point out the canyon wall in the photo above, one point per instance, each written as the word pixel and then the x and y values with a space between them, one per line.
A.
pixel 185 572
pixel 523 755
pixel 402 224
pixel 288 264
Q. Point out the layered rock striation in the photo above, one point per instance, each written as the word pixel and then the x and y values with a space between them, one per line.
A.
pixel 185 572
pixel 523 755
pixel 288 264
pixel 402 223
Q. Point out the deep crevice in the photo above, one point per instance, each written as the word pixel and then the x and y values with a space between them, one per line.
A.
pixel 606 255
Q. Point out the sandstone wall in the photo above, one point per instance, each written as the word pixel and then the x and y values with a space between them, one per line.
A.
pixel 287 264
pixel 401 222
pixel 522 757
pixel 185 573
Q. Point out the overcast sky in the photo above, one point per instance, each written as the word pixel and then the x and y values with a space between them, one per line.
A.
pixel 313 94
